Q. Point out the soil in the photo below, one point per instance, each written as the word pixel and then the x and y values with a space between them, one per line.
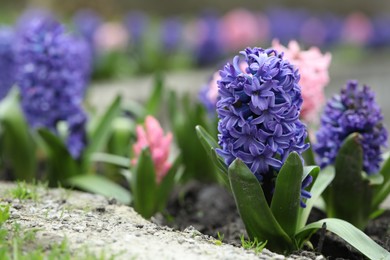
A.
pixel 212 211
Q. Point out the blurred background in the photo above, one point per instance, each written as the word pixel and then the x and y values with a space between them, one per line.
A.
pixel 188 40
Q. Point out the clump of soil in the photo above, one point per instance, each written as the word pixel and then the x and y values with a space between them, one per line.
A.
pixel 211 209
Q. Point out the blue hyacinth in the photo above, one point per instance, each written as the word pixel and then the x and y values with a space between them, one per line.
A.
pixel 7 60
pixel 353 110
pixel 53 71
pixel 258 112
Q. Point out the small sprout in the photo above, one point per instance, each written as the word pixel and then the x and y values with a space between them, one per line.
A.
pixel 219 241
pixel 25 191
pixel 254 245
pixel 4 214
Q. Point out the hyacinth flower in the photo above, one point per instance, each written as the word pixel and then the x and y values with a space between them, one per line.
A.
pixel 350 142
pixel 258 153
pixel 171 35
pixel 53 70
pixel 153 175
pixel 208 43
pixel 314 70
pixel 136 23
pixel 241 28
pixel 208 94
pixel 86 22
pixel 7 60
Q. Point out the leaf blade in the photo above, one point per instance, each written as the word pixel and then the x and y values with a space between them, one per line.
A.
pixel 101 185
pixel 254 210
pixel 350 234
pixel 286 198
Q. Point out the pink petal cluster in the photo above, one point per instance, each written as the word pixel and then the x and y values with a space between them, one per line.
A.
pixel 111 36
pixel 357 29
pixel 314 69
pixel 152 136
pixel 242 28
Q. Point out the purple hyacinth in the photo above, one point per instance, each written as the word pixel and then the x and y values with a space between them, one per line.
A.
pixel 258 112
pixel 86 23
pixel 53 70
pixel 353 110
pixel 7 60
pixel 208 49
pixel 171 34
pixel 136 22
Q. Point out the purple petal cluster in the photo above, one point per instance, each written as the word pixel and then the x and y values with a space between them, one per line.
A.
pixel 258 112
pixel 171 34
pixel 86 23
pixel 7 60
pixel 53 71
pixel 353 110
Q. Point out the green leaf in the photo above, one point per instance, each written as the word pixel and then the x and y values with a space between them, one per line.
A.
pixel 143 185
pixel 164 189
pixel 100 133
pixel 349 233
pixel 123 129
pixel 210 144
pixel 310 170
pixel 382 191
pixel 61 164
pixel 101 185
pixel 111 159
pixel 308 155
pixel 17 144
pixel 286 198
pixel 259 221
pixel 320 183
pixel 349 193
pixel 153 104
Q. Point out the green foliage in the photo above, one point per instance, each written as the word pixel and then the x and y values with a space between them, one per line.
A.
pixel 184 116
pixel 149 196
pixel 350 195
pixel 17 146
pixel 24 191
pixel 349 233
pixel 219 241
pixel 100 185
pixel 255 245
pixel 4 214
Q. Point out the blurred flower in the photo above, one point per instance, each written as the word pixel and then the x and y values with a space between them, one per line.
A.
pixel 136 23
pixel 86 23
pixel 152 136
pixel 314 69
pixel 171 34
pixel 53 70
pixel 241 28
pixel 357 29
pixel 333 29
pixel 209 93
pixel 206 39
pixel 111 37
pixel 7 60
pixel 32 14
pixel 285 24
pixel 353 110
pixel 381 33
pixel 259 113
pixel 313 32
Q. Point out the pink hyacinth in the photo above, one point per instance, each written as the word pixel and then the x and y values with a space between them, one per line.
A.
pixel 111 36
pixel 241 28
pixel 314 69
pixel 152 136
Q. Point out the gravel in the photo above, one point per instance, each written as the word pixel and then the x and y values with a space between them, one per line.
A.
pixel 101 225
